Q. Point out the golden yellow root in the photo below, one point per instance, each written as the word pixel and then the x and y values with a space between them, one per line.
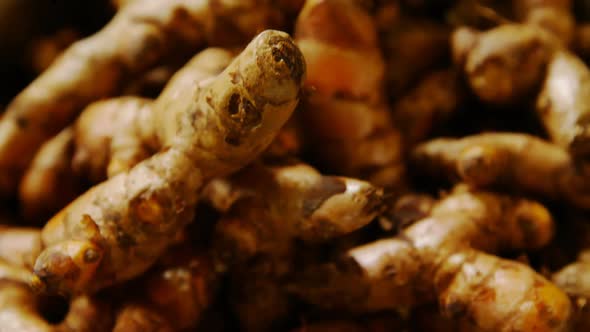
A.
pixel 117 229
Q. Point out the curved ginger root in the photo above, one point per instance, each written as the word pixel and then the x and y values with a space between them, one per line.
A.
pixel 517 161
pixel 347 111
pixel 117 229
pixel 439 257
pixel 109 137
pixel 19 307
pixel 139 36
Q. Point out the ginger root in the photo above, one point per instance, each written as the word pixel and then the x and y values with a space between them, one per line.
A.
pixel 442 257
pixel 117 229
pixel 346 111
pixel 109 137
pixel 139 37
pixel 506 160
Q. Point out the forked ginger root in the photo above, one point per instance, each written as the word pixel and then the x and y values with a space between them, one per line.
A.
pixel 117 229
pixel 442 258
pixel 139 37
pixel 514 161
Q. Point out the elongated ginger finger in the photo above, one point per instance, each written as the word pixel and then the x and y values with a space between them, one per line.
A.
pixel 284 202
pixel 137 38
pixel 347 112
pixel 109 137
pixel 49 183
pixel 401 272
pixel 485 291
pixel 562 105
pixel 20 245
pixel 515 161
pixel 117 229
pixel 505 64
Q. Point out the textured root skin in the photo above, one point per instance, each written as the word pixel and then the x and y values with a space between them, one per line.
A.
pixel 280 203
pixel 97 66
pixel 20 245
pixel 267 208
pixel 431 259
pixel 347 111
pixel 19 307
pixel 516 161
pixel 118 228
pixel 565 112
pixel 108 138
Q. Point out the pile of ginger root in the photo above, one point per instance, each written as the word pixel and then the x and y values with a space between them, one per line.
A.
pixel 301 166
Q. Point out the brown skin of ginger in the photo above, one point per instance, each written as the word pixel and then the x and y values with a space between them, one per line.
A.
pixel 283 202
pixel 439 258
pixel 519 162
pixel 139 37
pixel 109 137
pixel 267 207
pixel 346 112
pixel 504 64
pixel 117 229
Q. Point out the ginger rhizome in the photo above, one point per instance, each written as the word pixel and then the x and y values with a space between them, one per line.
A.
pixel 443 257
pixel 141 35
pixel 109 137
pixel 346 110
pixel 517 162
pixel 266 209
pixel 207 129
pixel 505 65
